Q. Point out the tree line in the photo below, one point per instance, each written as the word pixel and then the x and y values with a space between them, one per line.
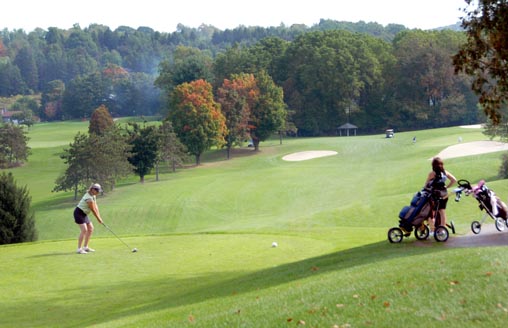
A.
pixel 330 73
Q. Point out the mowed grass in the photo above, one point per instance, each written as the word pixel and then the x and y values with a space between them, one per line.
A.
pixel 204 236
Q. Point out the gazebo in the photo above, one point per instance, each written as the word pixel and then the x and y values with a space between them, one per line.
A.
pixel 346 127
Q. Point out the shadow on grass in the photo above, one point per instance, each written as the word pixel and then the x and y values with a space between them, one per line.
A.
pixel 123 299
pixel 51 254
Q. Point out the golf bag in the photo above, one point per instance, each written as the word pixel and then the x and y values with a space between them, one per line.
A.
pixel 489 201
pixel 417 212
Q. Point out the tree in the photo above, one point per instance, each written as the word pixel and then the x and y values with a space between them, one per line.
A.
pixel 100 121
pixel 187 65
pixel 485 54
pixel 196 117
pixel 92 158
pixel 110 152
pixel 51 100
pixel 82 95
pixel 144 141
pixel 268 114
pixel 427 92
pixel 17 223
pixel 171 150
pixel 27 66
pixel 236 97
pixel 13 145
pixel 79 166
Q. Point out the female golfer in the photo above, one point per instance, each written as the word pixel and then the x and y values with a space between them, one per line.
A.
pixel 86 205
pixel 436 179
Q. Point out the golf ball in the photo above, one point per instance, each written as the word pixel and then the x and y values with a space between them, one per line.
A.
pixel 134 250
pixel 274 244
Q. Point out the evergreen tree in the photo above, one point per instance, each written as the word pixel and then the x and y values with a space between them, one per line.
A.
pixel 17 223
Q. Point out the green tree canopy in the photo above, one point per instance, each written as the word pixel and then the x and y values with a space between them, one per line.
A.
pixel 485 54
pixel 268 114
pixel 14 148
pixel 145 142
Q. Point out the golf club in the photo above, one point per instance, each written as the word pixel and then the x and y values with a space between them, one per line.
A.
pixel 134 250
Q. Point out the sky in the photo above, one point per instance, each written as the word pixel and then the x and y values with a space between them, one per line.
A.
pixel 164 16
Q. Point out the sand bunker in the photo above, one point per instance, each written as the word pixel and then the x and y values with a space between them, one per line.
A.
pixel 458 150
pixel 472 148
pixel 305 155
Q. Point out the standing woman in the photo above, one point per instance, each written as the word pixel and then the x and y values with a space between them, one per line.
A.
pixel 86 205
pixel 437 181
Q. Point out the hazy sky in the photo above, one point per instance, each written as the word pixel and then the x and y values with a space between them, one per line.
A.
pixel 163 16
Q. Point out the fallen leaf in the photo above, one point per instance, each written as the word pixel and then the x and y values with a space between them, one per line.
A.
pixel 314 268
pixel 191 318
pixel 488 274
pixel 373 297
pixel 453 283
pixel 386 304
pixel 289 319
pixel 355 296
pixel 301 322
pixel 339 305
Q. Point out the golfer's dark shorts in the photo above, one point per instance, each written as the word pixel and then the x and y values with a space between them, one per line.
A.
pixel 442 203
pixel 80 217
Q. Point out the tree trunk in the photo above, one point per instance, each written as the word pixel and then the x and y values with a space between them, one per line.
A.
pixel 255 141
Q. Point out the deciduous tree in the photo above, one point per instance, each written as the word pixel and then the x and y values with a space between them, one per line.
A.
pixel 144 141
pixel 14 148
pixel 485 54
pixel 237 96
pixel 268 114
pixel 100 121
pixel 196 117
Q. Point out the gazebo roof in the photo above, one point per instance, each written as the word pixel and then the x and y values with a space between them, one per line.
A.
pixel 347 126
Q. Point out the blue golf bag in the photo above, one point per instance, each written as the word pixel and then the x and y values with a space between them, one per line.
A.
pixel 417 212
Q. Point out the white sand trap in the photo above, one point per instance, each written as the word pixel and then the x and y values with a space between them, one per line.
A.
pixel 305 155
pixel 472 148
pixel 473 126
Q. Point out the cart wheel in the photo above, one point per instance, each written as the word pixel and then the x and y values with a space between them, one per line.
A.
pixel 395 235
pixel 422 233
pixel 441 234
pixel 500 224
pixel 506 222
pixel 476 227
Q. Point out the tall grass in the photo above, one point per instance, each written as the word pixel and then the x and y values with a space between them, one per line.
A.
pixel 205 233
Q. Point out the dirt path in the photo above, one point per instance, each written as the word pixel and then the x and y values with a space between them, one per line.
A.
pixel 488 236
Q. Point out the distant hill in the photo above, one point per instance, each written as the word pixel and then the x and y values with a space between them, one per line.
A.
pixel 455 27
